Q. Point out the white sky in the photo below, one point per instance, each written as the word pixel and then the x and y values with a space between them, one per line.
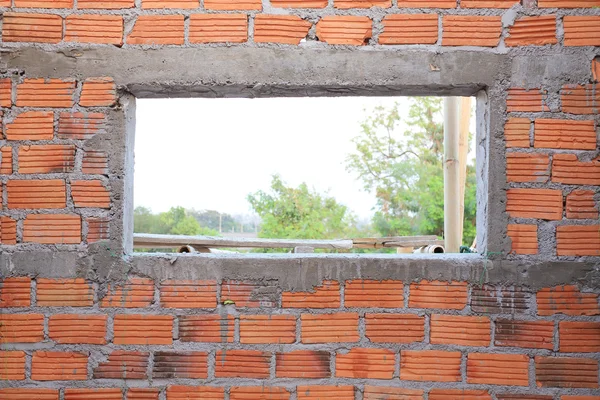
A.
pixel 211 153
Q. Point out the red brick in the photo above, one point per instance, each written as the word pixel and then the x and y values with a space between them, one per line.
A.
pixel 459 394
pixel 430 365
pixel 299 3
pixel 595 66
pixel 567 169
pixel 206 328
pixel 466 30
pixel 258 393
pixel 90 193
pixel 562 372
pixel 394 328
pixel 372 392
pixel 8 231
pixel 109 4
pixel 31 125
pixel 77 328
pixel 13 365
pixel 527 167
pixel 80 126
pixel 136 292
pixel 218 28
pixel 231 5
pixel 143 329
pixel 325 328
pixel 346 4
pixel 409 29
pixel 303 364
pixel 21 328
pixel 95 162
pixel 180 365
pixel 565 134
pixel 28 394
pixel 568 4
pixel 461 330
pixel 93 28
pixel 52 229
pixel 371 293
pixel 188 294
pixel 64 293
pixel 532 31
pixel 526 334
pixel 427 3
pixel 98 229
pixel 32 194
pixel 30 27
pixel 325 392
pixel 488 3
pixel 98 92
pixel 278 329
pixel 567 300
pixel 93 394
pixel 581 30
pixel 498 369
pixel 45 159
pixel 157 29
pixel 324 296
pixel 6 160
pixel 286 29
pixel 44 3
pixel 500 299
pixel 347 30
pixel 143 393
pixel 510 396
pixel 250 294
pixel 170 4
pixel 581 205
pixel 527 100
pixel 242 364
pixel 365 363
pixel 535 203
pixel 523 238
pixel 438 294
pixel 58 366
pixel 516 132
pixel 581 99
pixel 578 240
pixel 5 92
pixel 45 93
pixel 123 365
pixel 579 337
pixel 195 393
pixel 15 292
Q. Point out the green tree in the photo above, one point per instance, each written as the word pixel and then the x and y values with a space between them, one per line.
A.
pixel 405 170
pixel 176 221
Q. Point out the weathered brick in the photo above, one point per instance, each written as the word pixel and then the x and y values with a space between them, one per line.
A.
pixel 578 240
pixel 466 30
pixel 64 293
pixel 21 328
pixel 365 363
pixel 371 293
pixel 532 31
pixel 34 194
pixel 438 294
pixel 31 27
pixel 500 299
pixel 230 5
pixel 488 3
pixel 80 126
pixel 109 4
pixel 58 366
pixel 511 396
pixel 170 4
pixel 15 292
pixel 143 329
pixel 286 29
pixel 498 369
pixel 218 28
pixel 8 231
pixel 568 4
pixel 372 392
pixel 94 28
pixel 28 394
pixel 579 337
pixel 206 328
pixel 325 296
pixel 325 392
pixel 143 393
pixel 77 328
pixel 562 372
pixel 527 167
pixel 567 300
pixel 306 364
pixel 123 365
pixel 136 292
pixel 347 30
pixel 52 229
pixel 299 3
pixel 394 328
pixel 430 365
pixel 44 3
pixel 5 92
pixel 535 203
pixel 579 397
pixel 346 4
pixel 180 365
pixel 177 392
pixel 516 132
pixel 98 229
pixel 461 330
pixel 527 100
pixel 258 393
pixel 46 93
pixel 567 169
pixel 409 29
pixel 157 29
pixel 581 99
pixel 98 92
pixel 595 67
pixel 31 125
pixel 267 329
pixel 581 205
pixel 43 159
pixel 95 162
pixel 565 134
pixel 325 328
pixel 6 160
pixel 427 3
pixel 90 193
pixel 12 365
pixel 581 30
pixel 93 394
pixel 188 294
pixel 523 238
pixel 459 394
pixel 242 364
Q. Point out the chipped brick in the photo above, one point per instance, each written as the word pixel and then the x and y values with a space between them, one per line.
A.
pixel 6 160
pixel 523 238
pixel 250 294
pixel 527 100
pixel 325 296
pixel 98 92
pixel 567 300
pixel 286 29
pixel 123 365
pixel 500 300
pixel 347 30
pixel 188 294
pixel 580 99
pixel 80 126
pixel 90 193
pixel 516 132
pixel 5 92
pixel 95 162
pixel 567 169
pixel 8 231
pixel 581 205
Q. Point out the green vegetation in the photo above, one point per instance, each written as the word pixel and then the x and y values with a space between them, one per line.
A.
pixel 176 221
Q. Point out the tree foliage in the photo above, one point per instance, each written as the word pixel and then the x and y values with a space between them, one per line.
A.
pixel 176 221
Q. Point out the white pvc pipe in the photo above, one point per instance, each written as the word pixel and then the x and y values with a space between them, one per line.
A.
pixel 451 175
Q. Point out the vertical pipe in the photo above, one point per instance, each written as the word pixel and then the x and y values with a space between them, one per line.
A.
pixel 451 175
pixel 463 150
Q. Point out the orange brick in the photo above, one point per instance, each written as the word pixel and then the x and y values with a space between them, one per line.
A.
pixel 581 30
pixel 64 293
pixel 77 328
pixel 527 167
pixel 93 28
pixel 371 293
pixel 143 393
pixel 579 337
pixel 188 294
pixel 267 329
pixel 45 159
pixel 498 369
pixel 534 203
pixel 8 231
pixel 580 397
pixel 461 330
pixel 218 28
pixel 136 292
pixel 184 365
pixel 30 27
pixel 430 365
pixel 578 240
pixel 231 5
pixel 299 3
pixel 28 393
pixel 567 169
pixel 565 372
pixel 427 3
pixel 346 4
pixel 580 99
pixel 157 29
pixel 527 334
pixel 21 328
pixel 170 4
pixel 348 30
pixel 250 294
pixel 303 364
pixel 31 125
pixel 438 294
pixel 52 229
pixel 13 365
pixel 568 4
pixel 532 31
pixel 527 100
pixel 372 392
pixel 464 30
pixel 324 296
pixel 45 93
pixel 6 160
pixel 80 126
pixel 242 364
pixel 95 162
pixel 258 393
pixel 108 4
pixel 5 92
pixel 195 393
pixel 523 238
pixel 98 92
pixel 595 67
pixel 365 363
pixel 98 229
pixel 123 365
pixel 90 193
pixel 488 3
pixel 581 205
pixel 565 134
pixel 44 3
pixel 58 366
pixel 459 394
pixel 500 299
pixel 286 29
pixel 409 29
pixel 510 396
pixel 325 392
pixel 567 300
pixel 516 132
pixel 206 328
pixel 143 329
pixel 325 328
pixel 15 292
pixel 92 394
pixel 394 328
